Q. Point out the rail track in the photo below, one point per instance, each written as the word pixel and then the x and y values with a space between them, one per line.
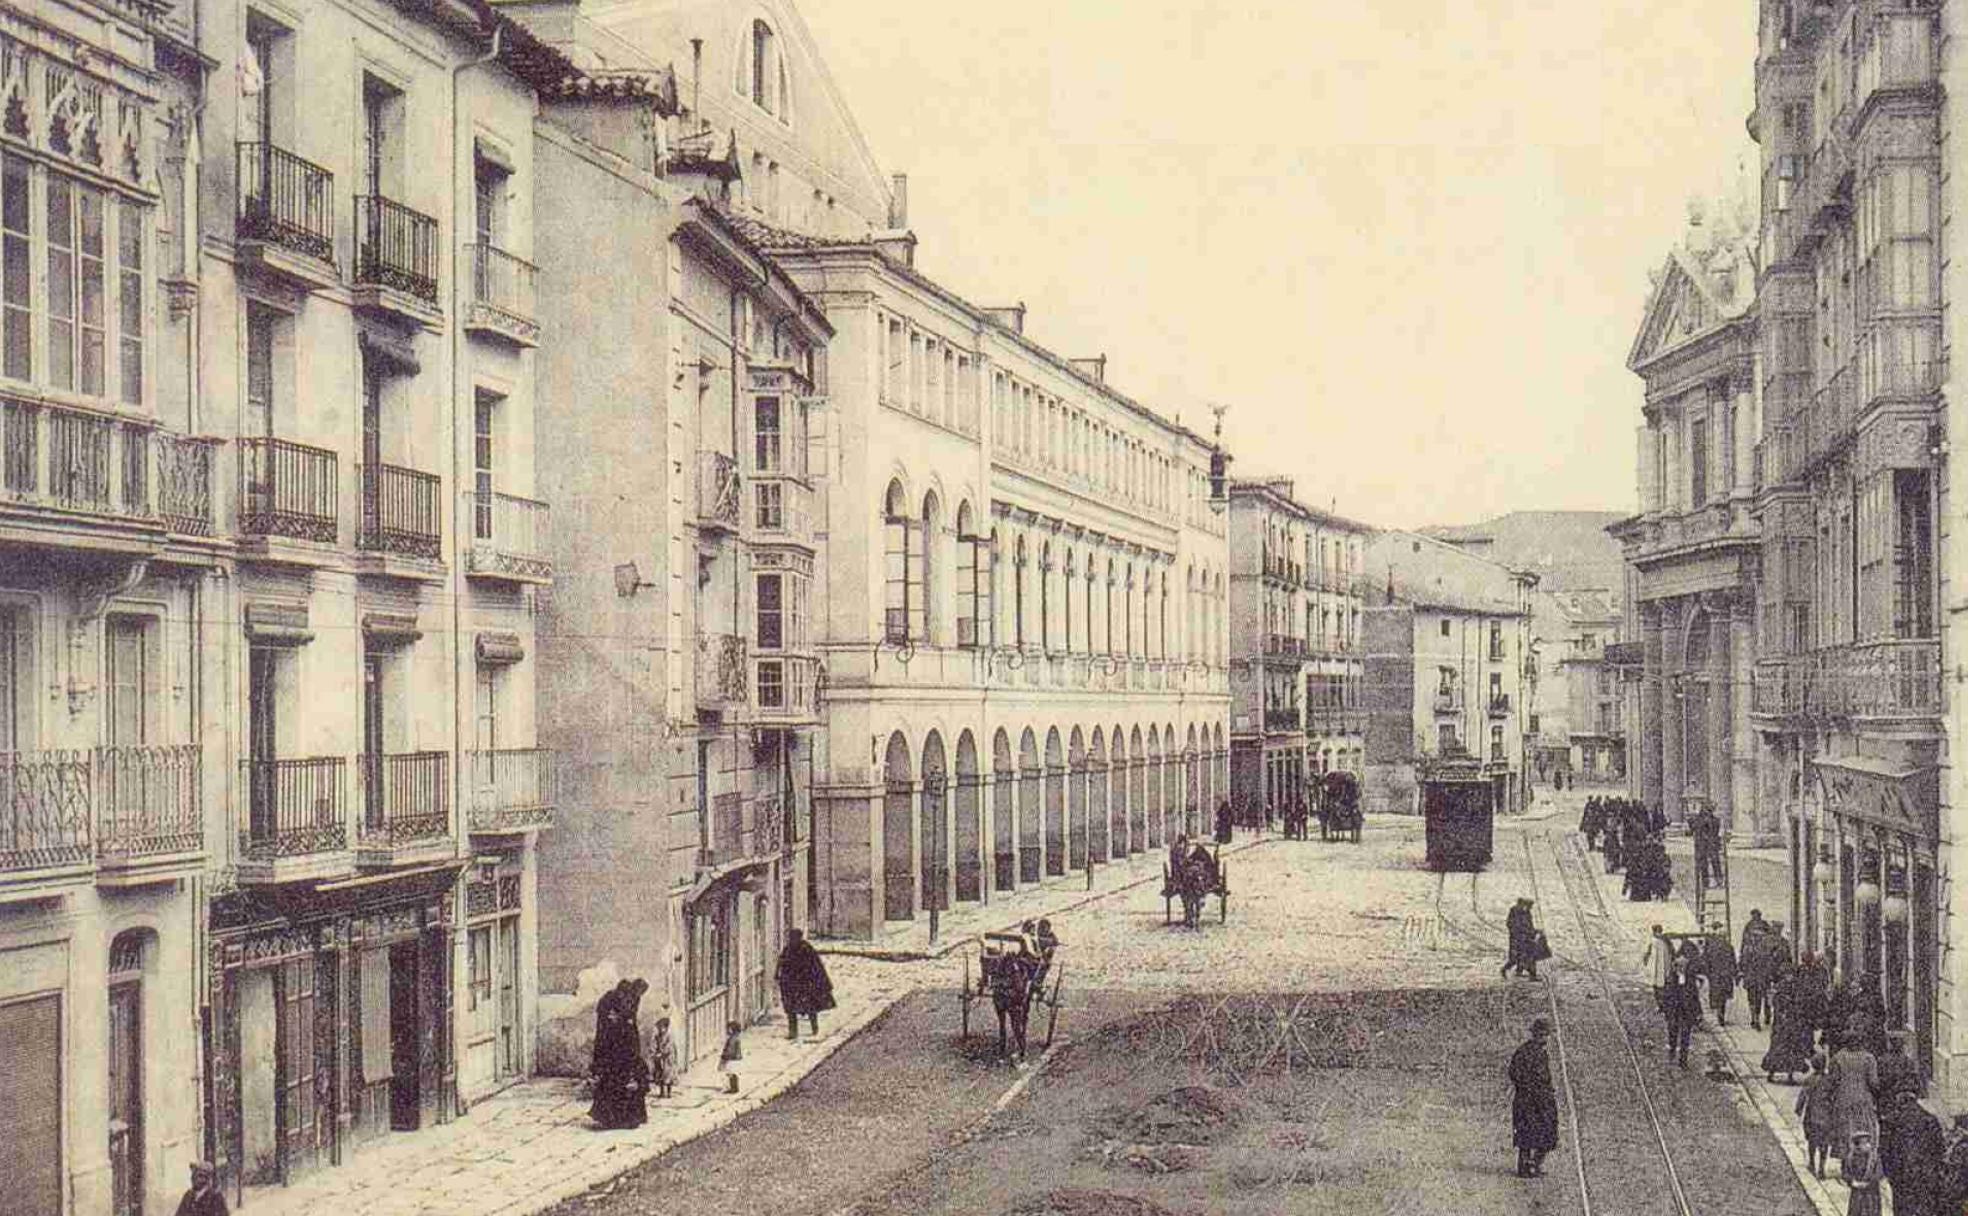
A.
pixel 1579 890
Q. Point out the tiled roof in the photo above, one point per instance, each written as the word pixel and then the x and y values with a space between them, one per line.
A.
pixel 773 239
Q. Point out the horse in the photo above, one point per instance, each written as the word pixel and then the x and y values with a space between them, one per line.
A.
pixel 1008 977
pixel 1194 882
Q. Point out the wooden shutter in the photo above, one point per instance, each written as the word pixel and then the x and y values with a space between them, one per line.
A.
pixel 31 1105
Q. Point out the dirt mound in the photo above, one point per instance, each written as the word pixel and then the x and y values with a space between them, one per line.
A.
pixel 1191 1114
pixel 1072 1202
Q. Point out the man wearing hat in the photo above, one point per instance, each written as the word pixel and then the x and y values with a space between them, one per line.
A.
pixel 203 1199
pixel 1534 1103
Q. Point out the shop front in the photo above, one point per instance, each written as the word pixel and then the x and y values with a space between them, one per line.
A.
pixel 328 1021
pixel 1872 863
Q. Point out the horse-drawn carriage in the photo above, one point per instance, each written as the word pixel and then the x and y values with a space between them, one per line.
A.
pixel 1193 880
pixel 1012 971
pixel 1339 807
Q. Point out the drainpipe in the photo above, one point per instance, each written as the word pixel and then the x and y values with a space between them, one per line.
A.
pixel 457 588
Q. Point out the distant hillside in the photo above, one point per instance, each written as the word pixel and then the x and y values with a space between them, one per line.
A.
pixel 1568 550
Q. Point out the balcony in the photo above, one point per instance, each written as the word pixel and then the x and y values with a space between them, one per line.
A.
pixel 1448 700
pixel 1898 57
pixel 72 477
pixel 296 820
pixel 184 483
pixel 406 809
pixel 396 261
pixel 46 810
pixel 722 677
pixel 1780 688
pixel 512 790
pixel 501 297
pixel 286 219
pixel 288 490
pixel 1500 705
pixel 1282 719
pixel 150 825
pixel 399 512
pixel 717 492
pixel 1894 680
pixel 783 688
pixel 508 538
pixel 1283 645
pixel 1327 721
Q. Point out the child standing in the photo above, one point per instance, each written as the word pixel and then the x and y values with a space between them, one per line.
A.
pixel 1814 1104
pixel 663 1059
pixel 1862 1175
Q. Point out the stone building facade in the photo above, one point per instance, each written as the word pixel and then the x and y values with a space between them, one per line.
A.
pixel 1296 594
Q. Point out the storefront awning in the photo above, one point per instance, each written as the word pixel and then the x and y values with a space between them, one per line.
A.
pixel 1893 796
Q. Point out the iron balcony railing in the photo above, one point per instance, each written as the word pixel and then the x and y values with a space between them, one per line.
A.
pixel 1281 719
pixel 1900 678
pixel 46 809
pixel 502 291
pixel 184 483
pixel 717 490
pixel 406 798
pixel 1500 704
pixel 721 673
pixel 287 489
pixel 511 788
pixel 1448 700
pixel 509 535
pixel 286 201
pixel 148 801
pixel 399 511
pixel 1780 687
pixel 73 460
pixel 395 247
pixel 294 807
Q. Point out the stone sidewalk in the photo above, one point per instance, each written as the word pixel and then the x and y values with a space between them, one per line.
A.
pixel 1774 1103
pixel 531 1146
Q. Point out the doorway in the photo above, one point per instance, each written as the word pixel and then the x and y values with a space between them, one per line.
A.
pixel 126 1104
pixel 406 1056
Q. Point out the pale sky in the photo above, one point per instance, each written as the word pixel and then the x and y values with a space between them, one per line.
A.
pixel 1406 242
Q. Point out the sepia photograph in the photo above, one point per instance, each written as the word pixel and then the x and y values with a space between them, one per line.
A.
pixel 853 608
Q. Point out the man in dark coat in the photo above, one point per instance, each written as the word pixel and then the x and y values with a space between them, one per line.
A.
pixel 1681 1002
pixel 204 1198
pixel 1707 832
pixel 1223 823
pixel 1718 966
pixel 804 985
pixel 621 1088
pixel 1523 954
pixel 1533 1102
pixel 1911 1146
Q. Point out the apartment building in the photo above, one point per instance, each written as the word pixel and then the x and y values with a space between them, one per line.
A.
pixel 1449 669
pixel 1297 587
pixel 112 581
pixel 1578 730
pixel 1851 711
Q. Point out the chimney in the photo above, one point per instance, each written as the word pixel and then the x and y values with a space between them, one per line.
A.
pixel 1095 368
pixel 898 203
pixel 1011 317
pixel 697 81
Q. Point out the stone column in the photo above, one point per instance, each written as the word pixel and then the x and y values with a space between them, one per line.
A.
pixel 1649 726
pixel 1750 816
pixel 1674 715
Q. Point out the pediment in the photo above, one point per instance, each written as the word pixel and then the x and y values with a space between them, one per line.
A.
pixel 1681 309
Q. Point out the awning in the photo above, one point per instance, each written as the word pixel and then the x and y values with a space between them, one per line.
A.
pixel 1897 797
pixel 278 624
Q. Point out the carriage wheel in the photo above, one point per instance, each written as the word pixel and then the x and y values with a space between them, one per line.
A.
pixel 1052 1006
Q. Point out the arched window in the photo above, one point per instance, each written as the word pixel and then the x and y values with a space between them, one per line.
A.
pixel 902 606
pixel 1045 596
pixel 932 512
pixel 1018 594
pixel 1072 578
pixel 971 588
pixel 764 67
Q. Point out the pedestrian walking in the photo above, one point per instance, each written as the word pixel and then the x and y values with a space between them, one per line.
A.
pixel 1911 1149
pixel 1814 1108
pixel 1658 962
pixel 804 986
pixel 1854 1074
pixel 621 1086
pixel 1756 967
pixel 1860 1169
pixel 1518 929
pixel 1718 967
pixel 1223 823
pixel 1533 1102
pixel 1898 1073
pixel 1707 832
pixel 203 1198
pixel 1793 1029
pixel 1681 1004
pixel 663 1060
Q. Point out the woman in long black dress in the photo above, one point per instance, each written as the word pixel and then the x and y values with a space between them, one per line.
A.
pixel 1793 1027
pixel 621 1091
pixel 1534 1103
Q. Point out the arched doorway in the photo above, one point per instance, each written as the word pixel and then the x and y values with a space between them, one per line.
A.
pixel 970 845
pixel 1055 803
pixel 1031 844
pixel 1004 821
pixel 898 844
pixel 1138 793
pixel 1098 838
pixel 127 1145
pixel 935 825
pixel 1152 779
pixel 1076 796
pixel 1117 783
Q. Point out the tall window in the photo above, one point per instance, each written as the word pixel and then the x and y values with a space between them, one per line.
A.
pixel 1018 594
pixel 260 327
pixel 1698 462
pixel 16 275
pixel 902 601
pixel 130 299
pixel 485 416
pixel 76 286
pixel 15 686
pixel 764 69
pixel 771 612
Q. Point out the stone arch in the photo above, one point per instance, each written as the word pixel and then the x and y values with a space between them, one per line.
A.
pixel 898 831
pixel 969 843
pixel 1099 835
pixel 1076 801
pixel 1139 833
pixel 1004 819
pixel 934 828
pixel 1055 802
pixel 1031 809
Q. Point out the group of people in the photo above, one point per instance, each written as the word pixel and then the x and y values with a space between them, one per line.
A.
pixel 1632 837
pixel 623 1073
pixel 1528 946
pixel 1681 974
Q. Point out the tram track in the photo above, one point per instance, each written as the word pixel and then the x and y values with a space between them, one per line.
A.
pixel 1610 1132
